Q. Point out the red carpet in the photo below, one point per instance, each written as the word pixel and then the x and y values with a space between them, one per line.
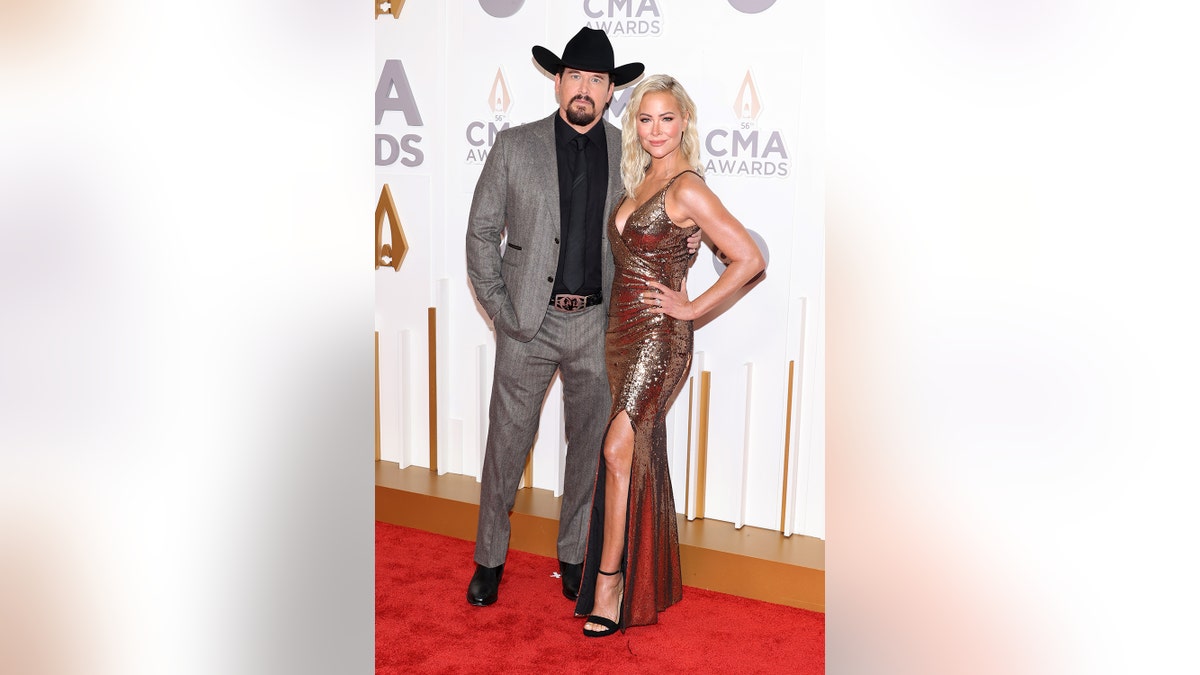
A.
pixel 423 623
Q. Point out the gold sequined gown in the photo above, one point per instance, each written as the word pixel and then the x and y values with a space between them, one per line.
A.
pixel 648 355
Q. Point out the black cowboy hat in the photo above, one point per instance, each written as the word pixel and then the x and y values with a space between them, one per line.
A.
pixel 589 50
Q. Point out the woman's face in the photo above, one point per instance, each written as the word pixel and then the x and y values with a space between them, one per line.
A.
pixel 660 124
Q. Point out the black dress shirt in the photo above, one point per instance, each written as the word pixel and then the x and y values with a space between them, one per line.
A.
pixel 596 153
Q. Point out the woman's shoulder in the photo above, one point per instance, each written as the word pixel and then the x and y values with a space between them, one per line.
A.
pixel 687 199
pixel 690 185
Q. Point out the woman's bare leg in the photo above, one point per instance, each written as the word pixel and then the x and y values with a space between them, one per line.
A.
pixel 618 458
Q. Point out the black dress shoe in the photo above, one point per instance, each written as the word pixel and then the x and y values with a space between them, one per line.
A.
pixel 485 585
pixel 572 574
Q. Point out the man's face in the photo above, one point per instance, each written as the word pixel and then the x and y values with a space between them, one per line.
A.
pixel 582 95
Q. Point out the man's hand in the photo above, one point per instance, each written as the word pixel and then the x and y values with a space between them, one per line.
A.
pixel 693 245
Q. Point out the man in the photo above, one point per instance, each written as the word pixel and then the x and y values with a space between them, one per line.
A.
pixel 545 191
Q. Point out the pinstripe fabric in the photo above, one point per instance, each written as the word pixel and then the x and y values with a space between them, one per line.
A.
pixel 572 342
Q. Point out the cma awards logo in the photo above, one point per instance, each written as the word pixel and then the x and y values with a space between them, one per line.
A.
pixel 616 107
pixel 633 18
pixel 393 94
pixel 389 253
pixel 392 7
pixel 481 134
pixel 746 150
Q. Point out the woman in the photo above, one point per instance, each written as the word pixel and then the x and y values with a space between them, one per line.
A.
pixel 631 570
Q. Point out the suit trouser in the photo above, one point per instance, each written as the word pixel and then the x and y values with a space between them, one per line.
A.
pixel 574 344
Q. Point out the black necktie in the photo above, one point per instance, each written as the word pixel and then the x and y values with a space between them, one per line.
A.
pixel 575 232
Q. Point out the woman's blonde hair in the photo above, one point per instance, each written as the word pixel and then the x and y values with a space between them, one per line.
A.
pixel 634 159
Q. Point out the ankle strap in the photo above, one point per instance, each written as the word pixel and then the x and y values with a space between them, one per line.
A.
pixel 609 574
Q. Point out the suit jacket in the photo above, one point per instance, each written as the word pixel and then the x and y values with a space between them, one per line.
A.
pixel 517 196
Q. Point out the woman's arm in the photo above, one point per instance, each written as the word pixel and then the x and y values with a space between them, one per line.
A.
pixel 691 202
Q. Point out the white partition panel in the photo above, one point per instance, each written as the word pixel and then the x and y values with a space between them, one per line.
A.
pixel 796 328
pixel 743 466
pixel 481 395
pixel 408 392
pixel 693 464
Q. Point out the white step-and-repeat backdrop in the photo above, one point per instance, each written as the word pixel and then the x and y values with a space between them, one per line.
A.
pixel 450 75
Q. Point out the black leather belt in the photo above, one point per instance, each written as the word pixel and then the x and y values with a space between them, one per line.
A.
pixel 565 302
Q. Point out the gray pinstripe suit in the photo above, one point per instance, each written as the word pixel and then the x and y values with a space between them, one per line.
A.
pixel 517 195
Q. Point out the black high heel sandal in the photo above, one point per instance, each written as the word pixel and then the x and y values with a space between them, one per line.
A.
pixel 610 626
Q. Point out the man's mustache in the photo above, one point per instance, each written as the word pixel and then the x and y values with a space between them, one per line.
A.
pixel 583 97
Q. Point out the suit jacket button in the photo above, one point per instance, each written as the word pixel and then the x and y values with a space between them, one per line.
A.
pixel 550 279
pixel 556 240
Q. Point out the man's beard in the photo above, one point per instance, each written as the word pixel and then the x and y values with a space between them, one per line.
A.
pixel 578 117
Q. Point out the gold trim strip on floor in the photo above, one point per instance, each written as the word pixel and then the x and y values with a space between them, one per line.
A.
pixel 377 396
pixel 433 438
pixel 787 446
pixel 702 443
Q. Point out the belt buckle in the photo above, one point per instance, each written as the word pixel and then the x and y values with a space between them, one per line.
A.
pixel 565 302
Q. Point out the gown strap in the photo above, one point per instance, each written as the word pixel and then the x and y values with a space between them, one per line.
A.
pixel 662 194
pixel 672 181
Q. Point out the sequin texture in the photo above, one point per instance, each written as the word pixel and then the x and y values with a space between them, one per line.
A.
pixel 648 356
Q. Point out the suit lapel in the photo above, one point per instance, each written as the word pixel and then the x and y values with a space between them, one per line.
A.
pixel 547 171
pixel 613 137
